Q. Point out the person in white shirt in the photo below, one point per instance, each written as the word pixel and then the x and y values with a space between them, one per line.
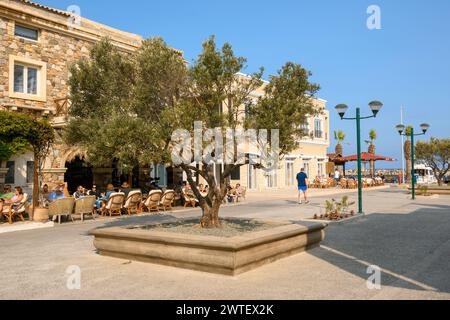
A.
pixel 337 176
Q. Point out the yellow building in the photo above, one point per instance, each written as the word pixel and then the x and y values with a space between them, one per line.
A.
pixel 311 155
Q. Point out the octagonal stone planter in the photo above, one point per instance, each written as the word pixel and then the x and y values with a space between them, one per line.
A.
pixel 227 256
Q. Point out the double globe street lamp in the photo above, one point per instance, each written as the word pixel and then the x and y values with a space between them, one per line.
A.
pixel 341 109
pixel 403 130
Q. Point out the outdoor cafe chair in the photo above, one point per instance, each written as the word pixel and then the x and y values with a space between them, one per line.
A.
pixel 153 200
pixel 133 202
pixel 167 199
pixel 85 205
pixel 61 207
pixel 11 212
pixel 115 204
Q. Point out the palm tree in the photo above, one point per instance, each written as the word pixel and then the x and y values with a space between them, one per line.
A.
pixel 408 154
pixel 339 136
pixel 372 149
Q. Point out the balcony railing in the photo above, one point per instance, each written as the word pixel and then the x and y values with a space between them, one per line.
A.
pixel 318 134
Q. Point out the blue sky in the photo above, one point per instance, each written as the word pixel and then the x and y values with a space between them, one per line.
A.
pixel 406 63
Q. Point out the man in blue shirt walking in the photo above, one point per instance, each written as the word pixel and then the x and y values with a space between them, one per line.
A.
pixel 302 180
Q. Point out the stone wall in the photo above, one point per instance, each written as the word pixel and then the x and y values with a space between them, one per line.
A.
pixel 57 48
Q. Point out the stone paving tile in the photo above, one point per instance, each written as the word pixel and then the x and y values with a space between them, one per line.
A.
pixel 409 241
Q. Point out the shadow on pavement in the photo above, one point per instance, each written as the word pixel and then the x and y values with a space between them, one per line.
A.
pixel 413 250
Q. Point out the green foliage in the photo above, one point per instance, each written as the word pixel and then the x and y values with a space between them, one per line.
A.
pixel 126 106
pixel 435 154
pixel 19 132
pixel 373 135
pixel 423 189
pixel 408 132
pixel 286 103
pixel 340 136
pixel 335 210
pixel 14 130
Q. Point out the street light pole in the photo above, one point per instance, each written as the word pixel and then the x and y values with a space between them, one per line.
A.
pixel 375 106
pixel 358 132
pixel 404 132
pixel 413 170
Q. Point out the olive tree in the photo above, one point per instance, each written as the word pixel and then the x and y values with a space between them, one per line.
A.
pixel 129 107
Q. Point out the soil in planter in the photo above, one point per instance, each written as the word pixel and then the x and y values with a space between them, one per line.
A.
pixel 230 228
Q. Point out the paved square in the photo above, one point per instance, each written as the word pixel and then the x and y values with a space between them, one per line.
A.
pixel 409 241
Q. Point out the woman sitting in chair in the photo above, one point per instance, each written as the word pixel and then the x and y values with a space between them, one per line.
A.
pixel 101 203
pixel 12 203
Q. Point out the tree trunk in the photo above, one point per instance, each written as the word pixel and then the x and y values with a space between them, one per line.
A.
pixel 210 218
pixel 407 150
pixel 339 149
pixel 372 168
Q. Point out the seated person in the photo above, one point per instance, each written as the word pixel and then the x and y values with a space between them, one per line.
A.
pixel 239 191
pixel 101 203
pixel 14 202
pixel 45 191
pixel 80 193
pixel 7 193
pixel 94 192
pixel 57 194
pixel 44 195
pixel 231 194
pixel 125 188
pixel 187 188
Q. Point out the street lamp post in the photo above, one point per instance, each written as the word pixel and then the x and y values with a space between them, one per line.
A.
pixel 375 106
pixel 403 130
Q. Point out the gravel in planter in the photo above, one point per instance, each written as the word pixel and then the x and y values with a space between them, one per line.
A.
pixel 230 228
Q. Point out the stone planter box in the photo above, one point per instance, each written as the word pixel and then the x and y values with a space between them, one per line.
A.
pixel 227 256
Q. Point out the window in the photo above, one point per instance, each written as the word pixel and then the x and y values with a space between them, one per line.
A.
pixel 25 32
pixel 9 179
pixel 159 172
pixel 305 127
pixel 289 174
pixel 271 179
pixel 236 174
pixel 318 133
pixel 251 177
pixel 306 167
pixel 320 169
pixel 27 79
pixel 30 171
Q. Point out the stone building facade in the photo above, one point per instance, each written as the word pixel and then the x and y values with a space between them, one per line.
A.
pixel 37 46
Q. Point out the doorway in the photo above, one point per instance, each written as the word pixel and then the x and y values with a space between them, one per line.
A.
pixel 78 173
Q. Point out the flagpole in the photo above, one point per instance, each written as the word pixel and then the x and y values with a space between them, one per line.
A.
pixel 403 150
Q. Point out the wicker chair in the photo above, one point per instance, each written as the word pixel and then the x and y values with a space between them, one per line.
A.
pixel 242 194
pixel 153 200
pixel 85 205
pixel 133 202
pixel 11 213
pixel 343 183
pixel 61 207
pixel 351 184
pixel 167 199
pixel 115 204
